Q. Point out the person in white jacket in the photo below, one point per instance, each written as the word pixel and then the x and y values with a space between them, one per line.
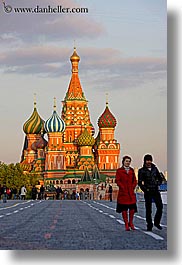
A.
pixel 23 192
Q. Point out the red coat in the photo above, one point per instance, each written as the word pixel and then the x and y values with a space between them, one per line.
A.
pixel 127 183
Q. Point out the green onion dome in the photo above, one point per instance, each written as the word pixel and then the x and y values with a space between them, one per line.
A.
pixel 85 139
pixel 35 124
pixel 107 119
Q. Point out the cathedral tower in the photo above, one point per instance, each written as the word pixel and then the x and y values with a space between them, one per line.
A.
pixel 75 113
pixel 107 148
pixel 55 151
pixel 33 129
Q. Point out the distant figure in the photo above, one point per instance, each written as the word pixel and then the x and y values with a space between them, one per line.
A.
pixel 126 180
pixel 1 191
pixel 58 192
pixel 65 194
pixel 23 193
pixel 149 180
pixel 77 195
pixel 4 192
pixel 34 193
pixel 14 192
pixel 42 190
pixel 110 193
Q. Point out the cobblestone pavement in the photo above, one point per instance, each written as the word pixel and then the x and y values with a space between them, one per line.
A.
pixel 75 225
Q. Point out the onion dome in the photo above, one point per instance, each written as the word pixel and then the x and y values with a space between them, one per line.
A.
pixel 54 123
pixel 74 57
pixel 25 166
pixel 107 119
pixel 34 124
pixel 85 139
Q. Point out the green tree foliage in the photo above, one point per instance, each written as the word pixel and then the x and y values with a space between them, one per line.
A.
pixel 12 176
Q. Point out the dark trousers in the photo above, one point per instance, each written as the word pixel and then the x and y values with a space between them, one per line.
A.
pixel 156 197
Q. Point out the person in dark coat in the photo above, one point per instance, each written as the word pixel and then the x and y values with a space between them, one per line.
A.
pixel 110 193
pixel 149 179
pixel 34 192
pixel 126 200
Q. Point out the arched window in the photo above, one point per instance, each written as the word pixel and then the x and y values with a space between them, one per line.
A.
pixel 73 181
pixel 69 181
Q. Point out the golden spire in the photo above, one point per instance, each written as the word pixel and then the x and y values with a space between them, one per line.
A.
pixel 54 103
pixel 34 100
pixel 74 57
pixel 106 99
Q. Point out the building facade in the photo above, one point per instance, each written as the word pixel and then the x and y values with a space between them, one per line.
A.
pixel 71 149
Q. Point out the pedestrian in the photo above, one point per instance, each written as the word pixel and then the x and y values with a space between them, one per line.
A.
pixel 149 180
pixel 110 193
pixel 42 191
pixel 4 191
pixel 34 193
pixel 77 195
pixel 57 193
pixel 1 191
pixel 14 192
pixel 23 192
pixel 126 200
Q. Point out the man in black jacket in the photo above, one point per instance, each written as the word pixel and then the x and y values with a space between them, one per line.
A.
pixel 149 180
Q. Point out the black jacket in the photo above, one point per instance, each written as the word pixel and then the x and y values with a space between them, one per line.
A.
pixel 149 180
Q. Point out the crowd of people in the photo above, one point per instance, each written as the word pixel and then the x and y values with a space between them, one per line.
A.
pixel 7 193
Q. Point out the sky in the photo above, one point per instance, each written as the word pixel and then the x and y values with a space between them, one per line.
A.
pixel 123 51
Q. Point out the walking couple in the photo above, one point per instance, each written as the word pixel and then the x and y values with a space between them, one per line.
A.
pixel 149 180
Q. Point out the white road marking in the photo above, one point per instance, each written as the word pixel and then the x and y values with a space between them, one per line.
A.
pixel 137 216
pixel 155 236
pixel 112 216
pixel 120 221
pixel 16 211
pixel 8 207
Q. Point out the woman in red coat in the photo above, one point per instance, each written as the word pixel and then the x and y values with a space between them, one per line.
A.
pixel 126 200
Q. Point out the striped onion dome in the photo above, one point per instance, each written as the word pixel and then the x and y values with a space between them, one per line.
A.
pixel 85 139
pixel 107 119
pixel 34 124
pixel 54 123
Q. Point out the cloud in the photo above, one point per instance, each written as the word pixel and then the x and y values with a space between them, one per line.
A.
pixel 102 68
pixel 30 27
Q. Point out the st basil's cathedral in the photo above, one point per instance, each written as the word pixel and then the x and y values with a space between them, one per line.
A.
pixel 71 157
